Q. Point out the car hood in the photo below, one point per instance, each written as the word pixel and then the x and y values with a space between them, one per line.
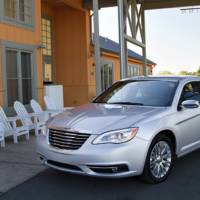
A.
pixel 100 118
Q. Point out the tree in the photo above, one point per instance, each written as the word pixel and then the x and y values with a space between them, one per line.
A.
pixel 197 73
pixel 183 72
pixel 165 73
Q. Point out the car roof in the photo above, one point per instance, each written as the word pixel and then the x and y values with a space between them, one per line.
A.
pixel 164 78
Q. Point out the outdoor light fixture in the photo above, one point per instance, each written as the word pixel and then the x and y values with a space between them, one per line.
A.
pixel 41 46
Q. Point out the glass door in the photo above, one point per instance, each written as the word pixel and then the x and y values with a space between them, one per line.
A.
pixel 26 77
pixel 12 77
pixel 19 77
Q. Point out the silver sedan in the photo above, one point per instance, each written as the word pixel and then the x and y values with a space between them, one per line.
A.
pixel 138 126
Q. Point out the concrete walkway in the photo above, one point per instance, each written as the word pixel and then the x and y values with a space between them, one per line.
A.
pixel 18 163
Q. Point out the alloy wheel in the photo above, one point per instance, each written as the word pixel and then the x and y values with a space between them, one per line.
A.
pixel 160 159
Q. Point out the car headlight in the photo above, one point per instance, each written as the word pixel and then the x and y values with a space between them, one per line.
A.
pixel 116 137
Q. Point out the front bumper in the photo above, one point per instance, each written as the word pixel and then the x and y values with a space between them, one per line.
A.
pixel 103 160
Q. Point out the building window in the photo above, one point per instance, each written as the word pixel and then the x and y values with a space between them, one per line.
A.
pixel 25 11
pixel 106 74
pixel 134 70
pixel 10 8
pixel 149 70
pixel 20 11
pixel 47 50
pixel 19 76
pixel 46 37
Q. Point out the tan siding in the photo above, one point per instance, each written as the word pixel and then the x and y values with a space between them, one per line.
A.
pixel 116 63
pixel 73 59
pixel 1 78
pixel 75 3
pixel 70 50
pixel 27 37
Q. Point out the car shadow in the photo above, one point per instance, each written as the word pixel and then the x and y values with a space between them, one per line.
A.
pixel 183 183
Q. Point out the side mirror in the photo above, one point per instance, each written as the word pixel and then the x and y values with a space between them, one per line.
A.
pixel 189 104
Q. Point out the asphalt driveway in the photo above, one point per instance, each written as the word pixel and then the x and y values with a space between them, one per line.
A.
pixel 184 183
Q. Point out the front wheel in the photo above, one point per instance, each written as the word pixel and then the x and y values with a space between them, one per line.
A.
pixel 160 160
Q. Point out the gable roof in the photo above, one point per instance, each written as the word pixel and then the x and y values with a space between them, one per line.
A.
pixel 114 47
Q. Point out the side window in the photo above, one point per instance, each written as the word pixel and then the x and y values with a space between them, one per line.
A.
pixel 191 91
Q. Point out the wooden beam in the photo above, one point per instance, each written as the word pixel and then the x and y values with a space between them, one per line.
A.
pixel 102 3
pixel 148 4
pixel 159 4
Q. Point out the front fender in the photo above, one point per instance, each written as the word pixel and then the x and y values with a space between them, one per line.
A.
pixel 150 129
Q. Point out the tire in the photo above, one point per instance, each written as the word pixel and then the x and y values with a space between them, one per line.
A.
pixel 164 163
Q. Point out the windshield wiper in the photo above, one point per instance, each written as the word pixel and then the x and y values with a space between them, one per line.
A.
pixel 127 103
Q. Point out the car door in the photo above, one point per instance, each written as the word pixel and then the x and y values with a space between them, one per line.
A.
pixel 188 121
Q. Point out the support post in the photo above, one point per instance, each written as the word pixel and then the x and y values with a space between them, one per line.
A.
pixel 122 42
pixel 97 46
pixel 144 42
pixel 133 18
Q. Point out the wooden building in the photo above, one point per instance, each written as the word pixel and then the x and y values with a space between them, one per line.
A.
pixel 49 42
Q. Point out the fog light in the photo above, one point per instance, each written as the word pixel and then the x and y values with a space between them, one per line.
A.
pixel 114 169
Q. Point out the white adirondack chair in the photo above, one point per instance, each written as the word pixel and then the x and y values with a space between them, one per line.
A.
pixel 42 115
pixel 51 106
pixel 31 120
pixel 2 137
pixel 9 127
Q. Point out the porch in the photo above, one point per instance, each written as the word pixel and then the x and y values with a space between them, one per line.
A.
pixel 66 49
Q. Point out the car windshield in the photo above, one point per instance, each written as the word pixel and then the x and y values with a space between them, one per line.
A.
pixel 140 92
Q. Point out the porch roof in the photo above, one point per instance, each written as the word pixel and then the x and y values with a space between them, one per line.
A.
pixel 113 47
pixel 148 4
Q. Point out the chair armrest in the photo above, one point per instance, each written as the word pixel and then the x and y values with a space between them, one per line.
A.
pixel 53 110
pixel 34 114
pixel 24 117
pixel 68 108
pixel 13 119
pixel 46 112
pixel 43 113
pixel 35 117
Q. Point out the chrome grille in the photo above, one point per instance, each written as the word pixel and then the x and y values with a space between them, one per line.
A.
pixel 67 140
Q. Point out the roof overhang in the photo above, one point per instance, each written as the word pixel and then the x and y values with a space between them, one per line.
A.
pixel 159 4
pixel 148 4
pixel 102 3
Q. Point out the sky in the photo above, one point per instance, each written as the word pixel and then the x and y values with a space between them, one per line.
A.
pixel 173 38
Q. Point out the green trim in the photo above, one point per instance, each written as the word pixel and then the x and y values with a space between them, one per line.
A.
pixel 19 48
pixel 17 22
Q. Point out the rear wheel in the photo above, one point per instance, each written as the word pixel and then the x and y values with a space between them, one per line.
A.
pixel 160 160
